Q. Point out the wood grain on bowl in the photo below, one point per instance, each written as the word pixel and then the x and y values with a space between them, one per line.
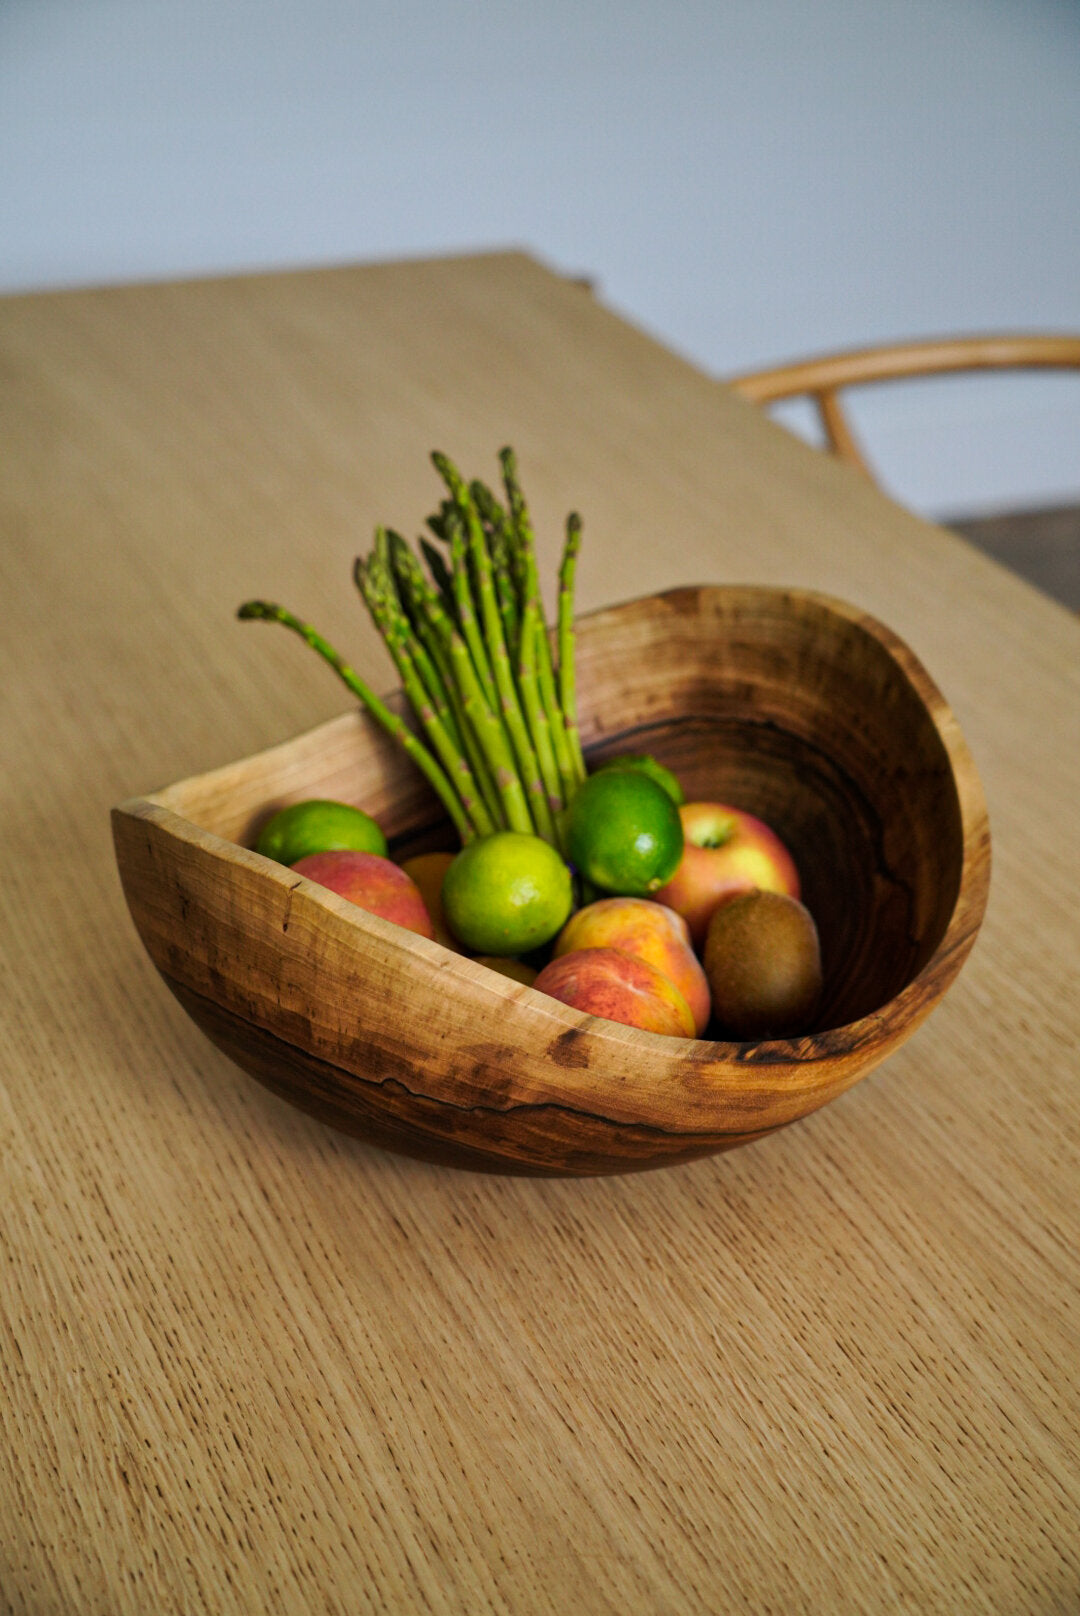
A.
pixel 797 707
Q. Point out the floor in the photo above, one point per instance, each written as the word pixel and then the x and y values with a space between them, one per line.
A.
pixel 1043 546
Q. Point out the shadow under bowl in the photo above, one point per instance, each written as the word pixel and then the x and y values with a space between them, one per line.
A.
pixel 794 706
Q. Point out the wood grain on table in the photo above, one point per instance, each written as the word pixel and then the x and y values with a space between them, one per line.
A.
pixel 251 1365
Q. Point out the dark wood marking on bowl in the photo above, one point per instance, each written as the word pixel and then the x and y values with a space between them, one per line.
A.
pixel 288 908
pixel 773 1052
pixel 386 1112
pixel 570 1048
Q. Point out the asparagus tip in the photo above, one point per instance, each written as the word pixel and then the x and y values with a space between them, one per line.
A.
pixel 252 610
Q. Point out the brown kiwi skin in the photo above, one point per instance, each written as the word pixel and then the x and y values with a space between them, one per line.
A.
pixel 763 961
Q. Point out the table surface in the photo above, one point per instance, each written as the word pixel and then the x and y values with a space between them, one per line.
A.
pixel 253 1365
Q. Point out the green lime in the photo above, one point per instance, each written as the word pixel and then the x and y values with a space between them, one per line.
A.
pixel 624 833
pixel 319 827
pixel 506 893
pixel 655 771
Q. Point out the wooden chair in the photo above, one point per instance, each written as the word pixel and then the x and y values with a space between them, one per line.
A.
pixel 823 379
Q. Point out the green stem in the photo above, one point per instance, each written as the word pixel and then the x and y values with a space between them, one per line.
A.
pixel 481 718
pixel 466 609
pixel 497 528
pixel 492 737
pixel 441 574
pixel 539 725
pixel 265 611
pixel 523 542
pixel 377 589
pixel 376 579
pixel 478 762
pixel 564 759
pixel 433 627
pixel 453 760
pixel 529 767
pixel 524 551
pixel 567 672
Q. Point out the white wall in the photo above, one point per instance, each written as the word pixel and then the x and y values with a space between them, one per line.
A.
pixel 752 180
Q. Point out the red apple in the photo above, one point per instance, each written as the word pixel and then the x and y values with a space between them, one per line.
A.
pixel 726 852
pixel 648 931
pixel 374 883
pixel 606 982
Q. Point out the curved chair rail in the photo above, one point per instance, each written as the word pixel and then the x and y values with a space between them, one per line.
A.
pixel 823 378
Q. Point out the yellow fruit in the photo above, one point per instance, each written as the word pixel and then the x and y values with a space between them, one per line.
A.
pixel 428 870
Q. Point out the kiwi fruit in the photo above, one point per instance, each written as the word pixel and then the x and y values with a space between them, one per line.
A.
pixel 763 962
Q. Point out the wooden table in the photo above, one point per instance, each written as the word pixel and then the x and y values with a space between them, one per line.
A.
pixel 251 1365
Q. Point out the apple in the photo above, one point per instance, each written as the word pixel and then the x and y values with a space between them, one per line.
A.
pixel 726 851
pixel 648 931
pixel 606 982
pixel 372 882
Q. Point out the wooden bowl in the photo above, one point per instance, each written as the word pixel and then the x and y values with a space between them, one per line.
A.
pixel 797 707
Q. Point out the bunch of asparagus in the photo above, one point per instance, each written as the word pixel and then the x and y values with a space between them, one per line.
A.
pixel 471 645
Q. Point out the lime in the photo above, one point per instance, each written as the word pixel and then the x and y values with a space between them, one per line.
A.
pixel 506 893
pixel 644 764
pixel 624 833
pixel 319 827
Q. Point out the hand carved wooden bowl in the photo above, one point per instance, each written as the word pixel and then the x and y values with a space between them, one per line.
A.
pixel 792 705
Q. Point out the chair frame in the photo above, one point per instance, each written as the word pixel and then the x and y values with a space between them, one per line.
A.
pixel 823 378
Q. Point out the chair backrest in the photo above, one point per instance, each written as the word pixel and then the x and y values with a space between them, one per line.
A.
pixel 823 379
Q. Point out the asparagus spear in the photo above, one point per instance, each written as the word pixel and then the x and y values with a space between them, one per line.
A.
pixel 475 658
pixel 569 779
pixel 567 680
pixel 377 590
pixel 267 612
pixel 497 529
pixel 441 574
pixel 465 608
pixel 377 576
pixel 509 704
pixel 425 608
pixel 539 726
pixel 479 713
